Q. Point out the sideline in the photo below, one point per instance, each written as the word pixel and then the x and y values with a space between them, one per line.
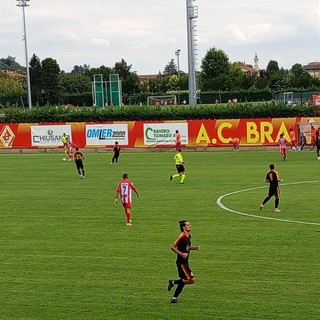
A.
pixel 219 203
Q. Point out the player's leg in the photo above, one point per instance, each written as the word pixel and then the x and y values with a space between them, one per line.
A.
pixel 127 211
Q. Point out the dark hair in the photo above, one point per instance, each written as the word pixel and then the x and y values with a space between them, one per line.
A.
pixel 271 166
pixel 125 176
pixel 77 149
pixel 182 223
pixel 179 150
pixel 116 142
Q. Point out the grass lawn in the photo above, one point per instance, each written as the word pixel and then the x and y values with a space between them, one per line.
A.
pixel 66 252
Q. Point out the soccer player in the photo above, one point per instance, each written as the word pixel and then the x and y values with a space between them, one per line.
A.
pixel 313 137
pixel 236 144
pixel 283 146
pixel 273 179
pixel 78 160
pixel 69 149
pixel 178 140
pixel 116 153
pixel 293 140
pixel 178 160
pixel 64 139
pixel 317 143
pixel 182 247
pixel 124 189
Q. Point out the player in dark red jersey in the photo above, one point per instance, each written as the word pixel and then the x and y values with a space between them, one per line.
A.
pixel 182 247
pixel 78 158
pixel 116 153
pixel 273 179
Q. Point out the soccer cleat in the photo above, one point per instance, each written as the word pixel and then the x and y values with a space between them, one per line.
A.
pixel 276 210
pixel 261 206
pixel 81 176
pixel 170 178
pixel 170 284
pixel 174 300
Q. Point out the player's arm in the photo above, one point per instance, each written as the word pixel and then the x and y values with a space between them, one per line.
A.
pixel 116 197
pixel 135 190
pixel 197 248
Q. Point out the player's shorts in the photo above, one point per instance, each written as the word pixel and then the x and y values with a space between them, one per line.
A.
pixel 79 164
pixel 127 205
pixel 184 271
pixel 274 191
pixel 180 168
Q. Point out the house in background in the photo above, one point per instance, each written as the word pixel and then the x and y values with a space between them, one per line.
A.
pixel 313 68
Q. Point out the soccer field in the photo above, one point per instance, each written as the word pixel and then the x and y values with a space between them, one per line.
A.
pixel 66 252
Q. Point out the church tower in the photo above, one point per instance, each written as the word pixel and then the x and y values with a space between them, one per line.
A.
pixel 256 62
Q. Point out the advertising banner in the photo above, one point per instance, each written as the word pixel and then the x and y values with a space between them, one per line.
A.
pixel 49 135
pixel 145 134
pixel 164 133
pixel 106 134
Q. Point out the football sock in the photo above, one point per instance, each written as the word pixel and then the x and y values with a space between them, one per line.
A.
pixel 182 178
pixel 276 203
pixel 83 172
pixel 265 200
pixel 128 215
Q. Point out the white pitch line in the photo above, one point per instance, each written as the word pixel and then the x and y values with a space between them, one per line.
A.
pixel 219 203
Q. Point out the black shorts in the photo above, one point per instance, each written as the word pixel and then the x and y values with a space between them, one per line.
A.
pixel 274 191
pixel 79 164
pixel 180 168
pixel 184 271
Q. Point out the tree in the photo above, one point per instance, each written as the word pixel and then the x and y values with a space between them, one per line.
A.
pixel 129 79
pixel 35 79
pixel 215 68
pixel 50 81
pixel 272 68
pixel 74 83
pixel 170 69
pixel 9 85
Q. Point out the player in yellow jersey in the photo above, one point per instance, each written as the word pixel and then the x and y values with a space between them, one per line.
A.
pixel 178 160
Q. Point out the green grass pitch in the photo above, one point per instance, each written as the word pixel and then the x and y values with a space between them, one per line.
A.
pixel 66 252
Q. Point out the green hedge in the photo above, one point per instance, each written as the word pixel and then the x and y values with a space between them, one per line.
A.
pixel 152 113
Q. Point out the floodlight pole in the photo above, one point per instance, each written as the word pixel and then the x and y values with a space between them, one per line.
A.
pixel 23 4
pixel 177 53
pixel 192 15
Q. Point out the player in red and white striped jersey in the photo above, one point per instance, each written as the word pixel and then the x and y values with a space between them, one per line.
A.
pixel 124 190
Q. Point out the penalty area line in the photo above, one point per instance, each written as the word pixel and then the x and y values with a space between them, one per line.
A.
pixel 222 206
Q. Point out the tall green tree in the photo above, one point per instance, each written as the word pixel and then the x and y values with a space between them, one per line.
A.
pixel 129 79
pixel 215 70
pixel 170 69
pixel 35 69
pixel 50 81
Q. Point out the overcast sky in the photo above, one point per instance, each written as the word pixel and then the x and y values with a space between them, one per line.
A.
pixel 146 33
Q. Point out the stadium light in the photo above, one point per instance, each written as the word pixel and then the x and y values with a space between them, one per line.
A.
pixel 22 4
pixel 177 53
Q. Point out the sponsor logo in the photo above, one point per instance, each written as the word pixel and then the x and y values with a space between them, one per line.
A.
pixel 49 138
pixel 152 134
pixel 105 133
pixel 7 136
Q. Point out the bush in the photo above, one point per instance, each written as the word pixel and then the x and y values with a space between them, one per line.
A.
pixel 152 113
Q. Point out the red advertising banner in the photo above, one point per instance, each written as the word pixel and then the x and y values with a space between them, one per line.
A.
pixel 208 133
